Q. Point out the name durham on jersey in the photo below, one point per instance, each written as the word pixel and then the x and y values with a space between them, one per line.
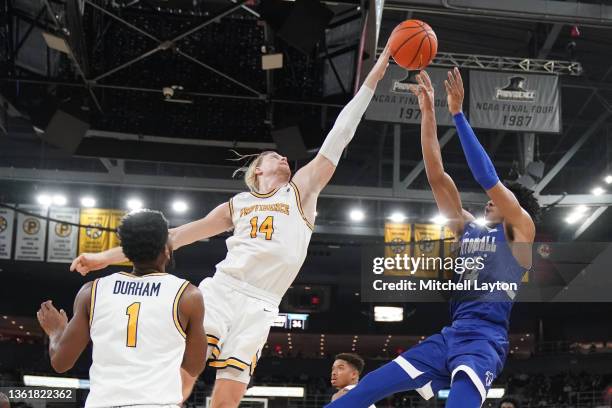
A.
pixel 136 288
pixel 437 285
pixel 276 207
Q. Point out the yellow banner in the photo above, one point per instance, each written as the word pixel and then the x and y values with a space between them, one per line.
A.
pixel 427 246
pixel 93 239
pixel 397 240
pixel 97 240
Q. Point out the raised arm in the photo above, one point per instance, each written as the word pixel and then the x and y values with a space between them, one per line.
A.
pixel 442 185
pixel 217 221
pixel 67 340
pixel 481 166
pixel 314 176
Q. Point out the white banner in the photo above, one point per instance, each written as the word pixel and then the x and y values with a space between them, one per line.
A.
pixel 7 220
pixel 31 232
pixel 63 238
pixel 393 101
pixel 515 101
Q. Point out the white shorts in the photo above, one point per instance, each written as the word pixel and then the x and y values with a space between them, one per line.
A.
pixel 237 321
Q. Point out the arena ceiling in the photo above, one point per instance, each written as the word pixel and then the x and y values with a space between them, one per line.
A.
pixel 124 52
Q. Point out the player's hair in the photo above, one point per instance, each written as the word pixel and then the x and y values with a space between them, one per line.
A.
pixel 253 161
pixel 510 400
pixel 143 235
pixel 526 199
pixel 353 359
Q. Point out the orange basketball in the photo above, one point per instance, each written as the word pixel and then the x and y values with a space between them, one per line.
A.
pixel 413 44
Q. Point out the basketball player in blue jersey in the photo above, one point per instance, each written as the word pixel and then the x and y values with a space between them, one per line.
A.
pixel 469 354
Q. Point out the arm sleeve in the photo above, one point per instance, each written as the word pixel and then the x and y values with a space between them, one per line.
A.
pixel 478 160
pixel 346 125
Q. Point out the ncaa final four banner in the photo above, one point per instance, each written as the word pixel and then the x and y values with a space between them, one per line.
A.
pixel 31 233
pixel 393 101
pixel 515 101
pixel 63 238
pixel 7 219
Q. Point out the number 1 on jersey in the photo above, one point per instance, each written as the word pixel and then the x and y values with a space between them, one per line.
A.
pixel 132 311
pixel 266 227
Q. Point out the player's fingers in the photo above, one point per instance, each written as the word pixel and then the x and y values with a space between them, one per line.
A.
pixel 451 79
pixel 427 79
pixel 414 89
pixel 458 78
pixel 448 87
pixel 74 264
pixel 420 80
pixel 63 313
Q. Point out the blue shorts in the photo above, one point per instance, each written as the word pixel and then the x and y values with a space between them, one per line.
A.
pixel 475 347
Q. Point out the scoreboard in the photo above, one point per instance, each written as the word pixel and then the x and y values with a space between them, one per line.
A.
pixel 291 321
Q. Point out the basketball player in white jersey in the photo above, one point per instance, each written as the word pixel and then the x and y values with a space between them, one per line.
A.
pixel 346 370
pixel 272 226
pixel 145 325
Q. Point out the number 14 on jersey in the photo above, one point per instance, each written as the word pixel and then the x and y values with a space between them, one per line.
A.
pixel 266 227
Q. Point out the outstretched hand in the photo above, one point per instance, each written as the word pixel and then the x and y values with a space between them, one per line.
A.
pixel 87 262
pixel 454 91
pixel 424 91
pixel 379 68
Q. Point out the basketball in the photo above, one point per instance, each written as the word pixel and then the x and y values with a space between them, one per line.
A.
pixel 413 44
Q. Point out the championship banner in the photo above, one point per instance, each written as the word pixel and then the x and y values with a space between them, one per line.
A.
pixel 427 247
pixel 31 233
pixel 397 242
pixel 7 220
pixel 93 239
pixel 63 238
pixel 115 221
pixel 515 102
pixel 393 101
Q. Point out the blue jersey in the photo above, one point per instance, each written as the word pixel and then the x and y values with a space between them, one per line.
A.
pixel 498 265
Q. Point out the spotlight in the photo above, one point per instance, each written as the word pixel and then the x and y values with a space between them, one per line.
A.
pixel 581 209
pixel 439 219
pixel 59 200
pixel 574 217
pixel 357 215
pixel 597 191
pixel 397 217
pixel 608 179
pixel 44 200
pixel 481 221
pixel 180 206
pixel 88 202
pixel 134 204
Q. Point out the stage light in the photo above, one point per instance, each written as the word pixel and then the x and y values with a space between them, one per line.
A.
pixel 597 191
pixel 59 200
pixel 44 200
pixel 357 215
pixel 439 219
pixel 397 217
pixel 481 221
pixel 180 206
pixel 88 202
pixel 134 204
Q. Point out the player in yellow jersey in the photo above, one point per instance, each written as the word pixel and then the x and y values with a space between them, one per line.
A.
pixel 272 225
pixel 145 326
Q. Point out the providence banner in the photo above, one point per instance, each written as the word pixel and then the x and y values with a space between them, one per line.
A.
pixel 515 101
pixel 7 220
pixel 393 101
pixel 92 239
pixel 63 238
pixel 397 242
pixel 31 233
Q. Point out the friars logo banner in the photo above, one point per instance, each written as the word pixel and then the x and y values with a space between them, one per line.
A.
pixel 515 91
pixel 515 102
pixel 393 101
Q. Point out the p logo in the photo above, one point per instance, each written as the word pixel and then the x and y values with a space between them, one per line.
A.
pixel 62 230
pixel 31 226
